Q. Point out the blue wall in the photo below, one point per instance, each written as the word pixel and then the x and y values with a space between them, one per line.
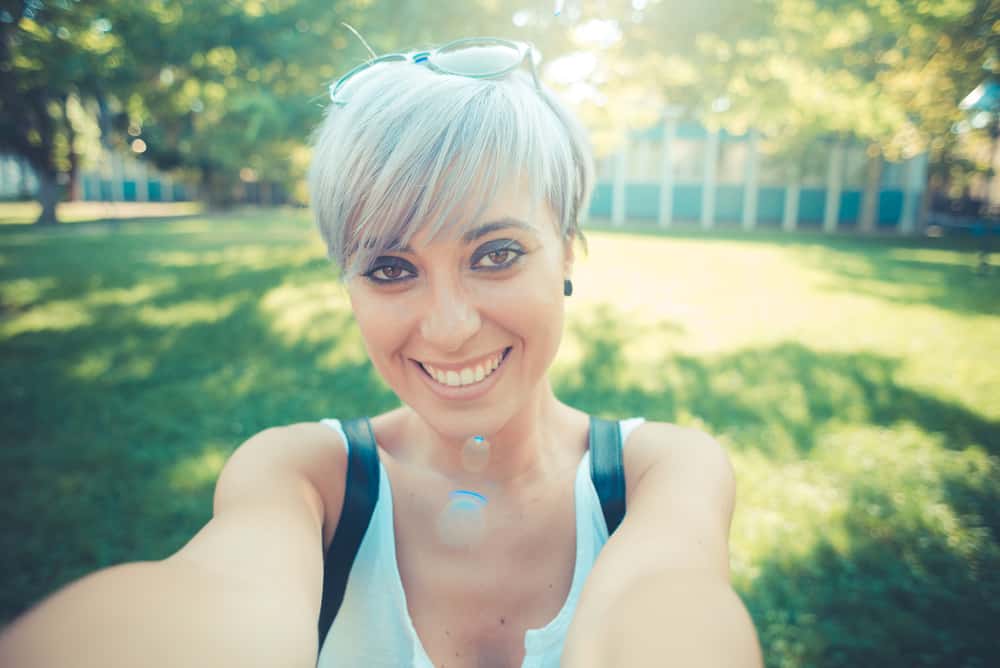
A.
pixel 101 191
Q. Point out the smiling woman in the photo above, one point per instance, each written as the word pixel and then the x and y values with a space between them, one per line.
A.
pixel 483 522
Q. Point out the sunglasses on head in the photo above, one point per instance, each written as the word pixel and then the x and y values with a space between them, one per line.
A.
pixel 473 57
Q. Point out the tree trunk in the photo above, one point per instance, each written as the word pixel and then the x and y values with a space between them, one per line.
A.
pixel 993 194
pixel 924 209
pixel 216 190
pixel 869 204
pixel 73 193
pixel 790 215
pixel 48 197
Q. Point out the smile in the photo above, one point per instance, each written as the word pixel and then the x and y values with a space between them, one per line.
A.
pixel 469 374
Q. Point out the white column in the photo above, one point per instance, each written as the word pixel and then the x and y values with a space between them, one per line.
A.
pixel 667 171
pixel 141 181
pixel 915 180
pixel 117 177
pixel 103 174
pixel 29 178
pixel 790 216
pixel 85 185
pixel 166 188
pixel 21 180
pixel 750 183
pixel 834 185
pixel 708 180
pixel 6 182
pixel 618 190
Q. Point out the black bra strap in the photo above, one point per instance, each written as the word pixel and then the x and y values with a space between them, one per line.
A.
pixel 360 496
pixel 607 470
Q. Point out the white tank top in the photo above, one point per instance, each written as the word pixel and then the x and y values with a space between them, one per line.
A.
pixel 373 628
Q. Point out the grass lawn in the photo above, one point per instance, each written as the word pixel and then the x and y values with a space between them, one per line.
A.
pixel 855 383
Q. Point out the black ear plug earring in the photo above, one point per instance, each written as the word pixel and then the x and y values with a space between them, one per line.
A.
pixel 567 287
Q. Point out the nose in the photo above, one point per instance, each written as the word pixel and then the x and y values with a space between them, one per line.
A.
pixel 450 318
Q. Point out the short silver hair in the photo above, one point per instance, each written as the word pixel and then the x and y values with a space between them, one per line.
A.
pixel 415 148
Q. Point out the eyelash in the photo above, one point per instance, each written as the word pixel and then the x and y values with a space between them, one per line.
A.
pixel 398 263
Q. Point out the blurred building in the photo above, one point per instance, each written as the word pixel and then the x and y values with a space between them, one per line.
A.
pixel 680 173
pixel 676 173
pixel 118 179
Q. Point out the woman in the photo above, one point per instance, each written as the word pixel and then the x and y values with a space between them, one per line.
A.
pixel 448 187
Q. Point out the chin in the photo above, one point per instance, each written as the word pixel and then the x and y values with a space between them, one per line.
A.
pixel 458 421
pixel 458 424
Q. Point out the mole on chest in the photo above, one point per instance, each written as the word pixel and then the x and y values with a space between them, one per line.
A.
pixel 486 651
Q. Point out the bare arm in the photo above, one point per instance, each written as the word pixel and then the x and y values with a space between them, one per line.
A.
pixel 659 593
pixel 243 592
pixel 678 619
pixel 167 613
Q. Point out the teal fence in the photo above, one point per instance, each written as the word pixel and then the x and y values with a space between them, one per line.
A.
pixel 642 202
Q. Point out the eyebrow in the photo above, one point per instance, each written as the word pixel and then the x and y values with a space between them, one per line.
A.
pixel 481 231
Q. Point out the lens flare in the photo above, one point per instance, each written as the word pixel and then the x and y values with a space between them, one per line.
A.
pixel 462 523
pixel 476 454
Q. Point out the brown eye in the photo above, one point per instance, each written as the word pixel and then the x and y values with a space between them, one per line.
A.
pixel 391 270
pixel 499 257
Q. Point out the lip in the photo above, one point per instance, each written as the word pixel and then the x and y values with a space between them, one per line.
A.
pixel 468 392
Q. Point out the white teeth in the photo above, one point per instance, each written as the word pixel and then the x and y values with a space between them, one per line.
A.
pixel 466 376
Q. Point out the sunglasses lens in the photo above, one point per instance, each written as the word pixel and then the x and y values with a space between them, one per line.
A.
pixel 341 91
pixel 477 59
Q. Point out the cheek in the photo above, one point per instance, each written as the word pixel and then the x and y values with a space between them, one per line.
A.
pixel 382 329
pixel 531 309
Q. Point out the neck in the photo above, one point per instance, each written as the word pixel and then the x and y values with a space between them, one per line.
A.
pixel 529 447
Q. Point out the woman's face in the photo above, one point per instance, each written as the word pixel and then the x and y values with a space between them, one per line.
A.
pixel 463 328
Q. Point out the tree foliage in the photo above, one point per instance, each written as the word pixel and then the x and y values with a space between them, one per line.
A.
pixel 224 89
pixel 51 53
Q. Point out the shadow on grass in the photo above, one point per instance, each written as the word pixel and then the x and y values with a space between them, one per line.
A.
pixel 785 391
pixel 175 360
pixel 105 418
pixel 902 593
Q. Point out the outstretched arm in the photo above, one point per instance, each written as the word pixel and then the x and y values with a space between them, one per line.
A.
pixel 244 592
pixel 659 593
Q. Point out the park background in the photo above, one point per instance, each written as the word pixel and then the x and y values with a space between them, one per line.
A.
pixel 846 355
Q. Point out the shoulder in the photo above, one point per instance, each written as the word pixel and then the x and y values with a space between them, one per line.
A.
pixel 681 493
pixel 677 451
pixel 309 455
pixel 309 449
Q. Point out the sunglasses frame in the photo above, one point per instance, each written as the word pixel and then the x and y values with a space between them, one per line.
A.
pixel 525 51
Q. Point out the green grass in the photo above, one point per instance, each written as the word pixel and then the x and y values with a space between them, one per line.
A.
pixel 853 381
pixel 21 213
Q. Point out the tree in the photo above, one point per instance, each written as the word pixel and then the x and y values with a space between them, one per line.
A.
pixel 232 91
pixel 220 91
pixel 885 73
pixel 50 54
